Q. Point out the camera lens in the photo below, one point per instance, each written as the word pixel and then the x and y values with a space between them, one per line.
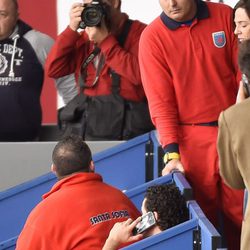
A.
pixel 92 16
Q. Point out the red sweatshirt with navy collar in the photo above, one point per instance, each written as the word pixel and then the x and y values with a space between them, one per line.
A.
pixel 189 72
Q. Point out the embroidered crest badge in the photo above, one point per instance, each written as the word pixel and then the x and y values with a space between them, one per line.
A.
pixel 219 39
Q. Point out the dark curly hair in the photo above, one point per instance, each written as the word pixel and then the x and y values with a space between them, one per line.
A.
pixel 168 202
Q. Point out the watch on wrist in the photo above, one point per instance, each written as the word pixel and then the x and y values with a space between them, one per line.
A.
pixel 170 156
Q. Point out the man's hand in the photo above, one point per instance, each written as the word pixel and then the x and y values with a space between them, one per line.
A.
pixel 122 233
pixel 75 15
pixel 172 165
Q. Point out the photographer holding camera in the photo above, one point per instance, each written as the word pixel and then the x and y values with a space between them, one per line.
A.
pixel 100 46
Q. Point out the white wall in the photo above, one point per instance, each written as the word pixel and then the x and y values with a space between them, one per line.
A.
pixel 229 2
pixel 145 10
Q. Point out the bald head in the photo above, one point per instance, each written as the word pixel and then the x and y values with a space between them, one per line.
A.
pixel 8 17
pixel 71 155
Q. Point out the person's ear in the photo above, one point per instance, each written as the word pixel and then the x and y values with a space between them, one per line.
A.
pixel 53 168
pixel 92 166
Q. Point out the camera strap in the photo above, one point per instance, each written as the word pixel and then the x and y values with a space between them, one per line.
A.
pixel 86 62
pixel 91 57
pixel 115 77
pixel 121 40
pixel 123 35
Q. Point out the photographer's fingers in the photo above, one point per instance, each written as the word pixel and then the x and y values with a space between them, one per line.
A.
pixel 75 15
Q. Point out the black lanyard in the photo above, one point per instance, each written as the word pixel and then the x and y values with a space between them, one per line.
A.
pixel 86 62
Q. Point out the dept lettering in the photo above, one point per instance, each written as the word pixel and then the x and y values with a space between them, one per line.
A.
pixel 8 49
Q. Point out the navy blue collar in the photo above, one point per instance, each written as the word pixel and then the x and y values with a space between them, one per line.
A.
pixel 202 13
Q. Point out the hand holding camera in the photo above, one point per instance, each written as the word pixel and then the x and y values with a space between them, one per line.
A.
pixel 93 13
pixel 75 15
pixel 93 17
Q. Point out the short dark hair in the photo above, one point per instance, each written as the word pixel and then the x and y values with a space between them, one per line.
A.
pixel 244 4
pixel 244 58
pixel 71 155
pixel 169 203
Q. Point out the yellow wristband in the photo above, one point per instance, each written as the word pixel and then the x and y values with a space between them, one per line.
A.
pixel 170 156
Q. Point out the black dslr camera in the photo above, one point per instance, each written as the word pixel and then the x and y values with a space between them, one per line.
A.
pixel 92 14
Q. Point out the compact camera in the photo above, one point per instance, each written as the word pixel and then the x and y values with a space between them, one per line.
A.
pixel 92 14
pixel 246 85
pixel 147 221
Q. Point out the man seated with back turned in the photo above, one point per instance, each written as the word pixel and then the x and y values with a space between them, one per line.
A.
pixel 80 210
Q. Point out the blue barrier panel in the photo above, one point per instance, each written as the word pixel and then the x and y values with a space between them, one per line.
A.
pixel 123 166
pixel 179 237
pixel 16 204
pixel 208 236
pixel 9 244
pixel 137 194
pixel 183 185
